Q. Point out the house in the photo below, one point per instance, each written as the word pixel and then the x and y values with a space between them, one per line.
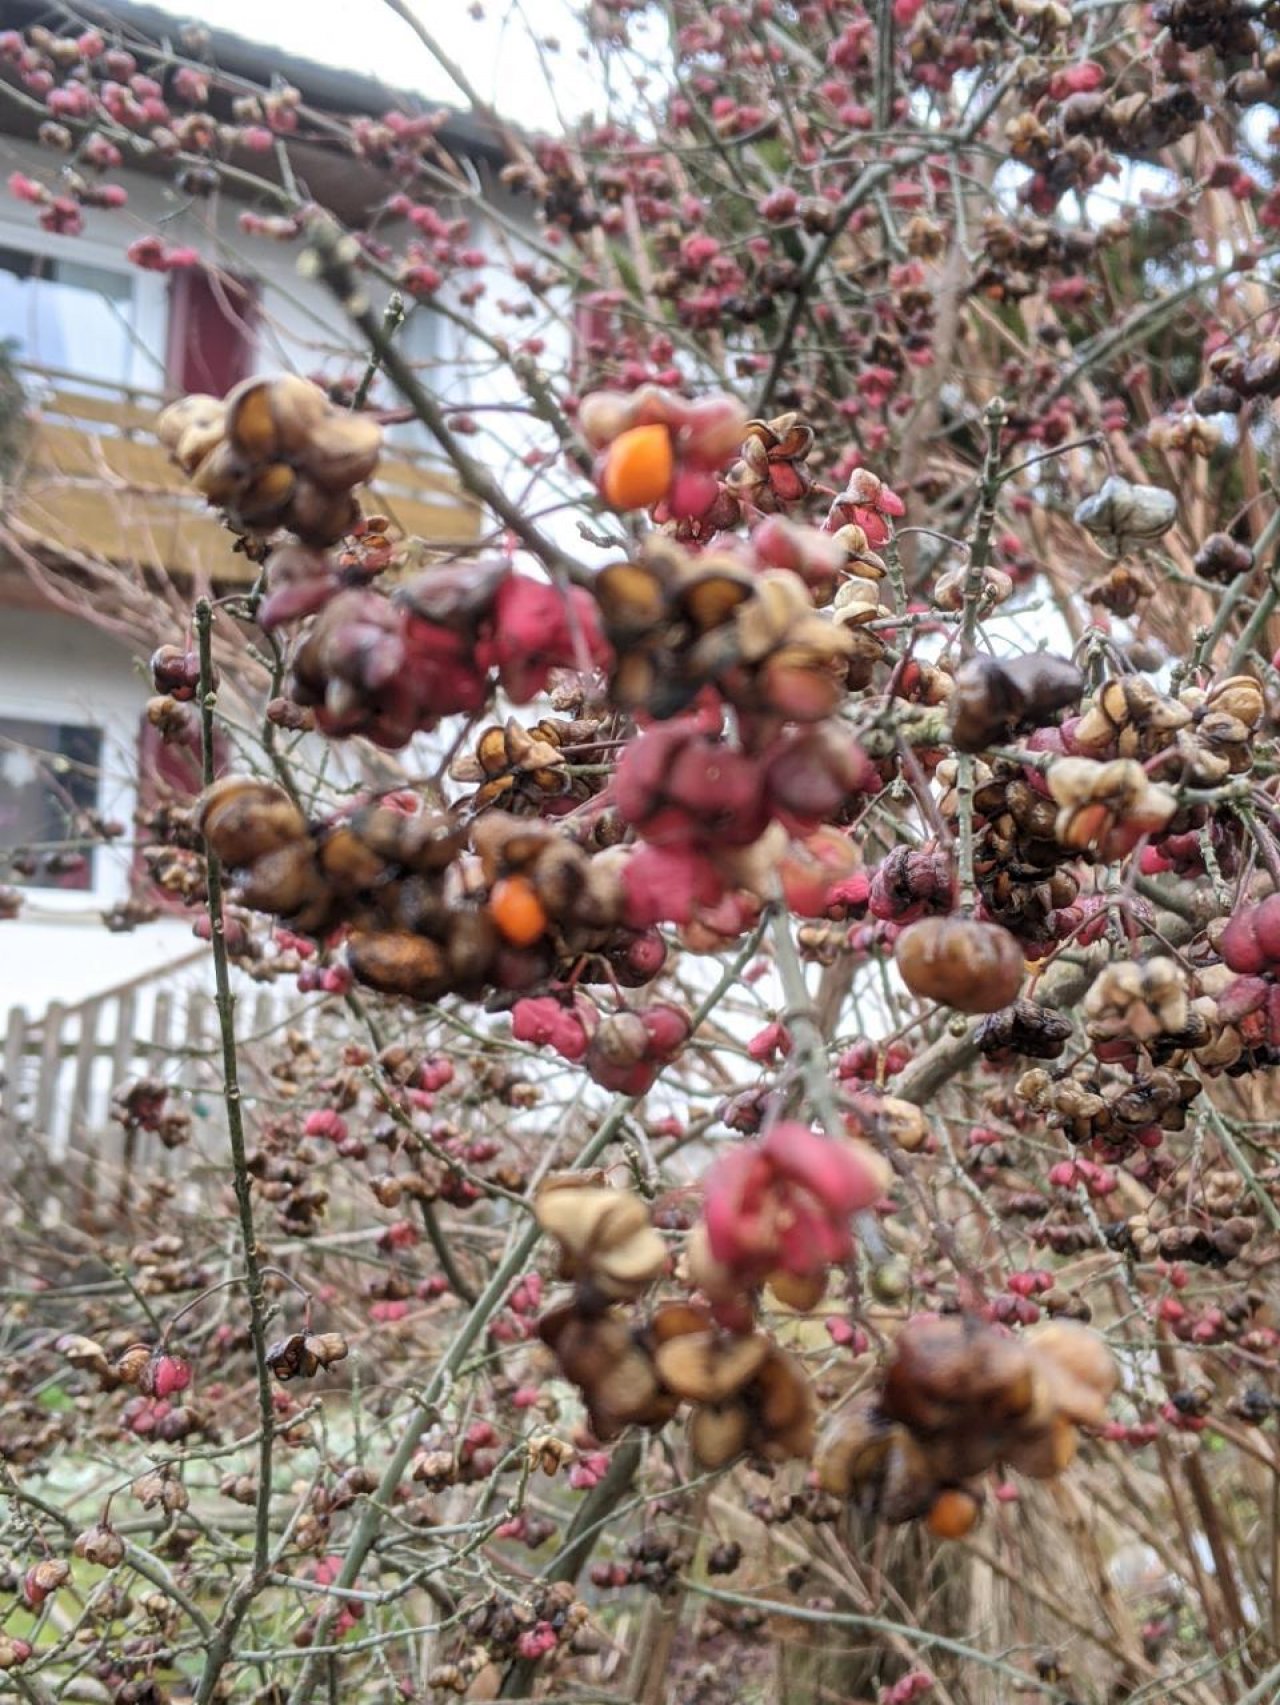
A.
pixel 98 344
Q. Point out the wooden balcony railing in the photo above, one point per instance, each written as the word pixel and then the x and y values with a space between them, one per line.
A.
pixel 96 483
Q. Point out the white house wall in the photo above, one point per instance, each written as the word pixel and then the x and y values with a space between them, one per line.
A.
pixel 52 667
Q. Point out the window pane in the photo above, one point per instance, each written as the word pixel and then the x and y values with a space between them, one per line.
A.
pixel 49 773
pixel 63 314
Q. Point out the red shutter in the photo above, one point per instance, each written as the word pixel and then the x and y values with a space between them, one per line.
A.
pixel 212 319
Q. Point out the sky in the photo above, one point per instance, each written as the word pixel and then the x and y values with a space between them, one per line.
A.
pixel 496 52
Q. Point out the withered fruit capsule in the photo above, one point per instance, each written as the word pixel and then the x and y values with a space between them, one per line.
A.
pixel 945 1368
pixel 707 1367
pixel 718 1433
pixel 971 966
pixel 601 1355
pixel 100 1544
pixel 275 452
pixel 1084 1372
pixel 244 819
pixel 1024 1028
pixel 1221 558
pixel 397 963
pixel 270 418
pixel 853 1447
pixel 992 698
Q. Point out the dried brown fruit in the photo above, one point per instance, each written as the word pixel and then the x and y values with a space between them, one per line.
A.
pixel 971 966
pixel 991 698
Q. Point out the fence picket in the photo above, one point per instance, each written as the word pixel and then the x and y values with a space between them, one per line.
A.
pixel 14 1051
pixel 123 1046
pixel 50 1073
pixel 57 1082
pixel 76 1129
pixel 159 1063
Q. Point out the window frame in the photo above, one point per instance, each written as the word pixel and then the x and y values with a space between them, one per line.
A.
pixel 146 367
pixel 30 885
pixel 116 797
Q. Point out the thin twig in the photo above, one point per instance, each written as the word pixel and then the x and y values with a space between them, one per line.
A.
pixel 237 1605
pixel 333 266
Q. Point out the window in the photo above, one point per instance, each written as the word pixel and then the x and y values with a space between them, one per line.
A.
pixel 49 780
pixel 77 319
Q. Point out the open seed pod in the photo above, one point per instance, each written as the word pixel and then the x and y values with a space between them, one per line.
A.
pixel 610 1366
pixel 710 1367
pixel 889 1119
pixel 422 844
pixel 290 1358
pixel 198 409
pixel 783 1408
pixel 268 419
pixel 779 603
pixel 192 429
pixel 1129 717
pixel 277 452
pixel 1106 807
pixel 319 514
pixel 289 883
pixel 1044 1454
pixel 633 599
pixel 342 451
pixel 1142 1001
pixel 718 1432
pixel 1083 1371
pixel 348 862
pixel 261 499
pixel 221 474
pixel 710 589
pixel 604 1235
pixel 800 1291
pixel 628 1395
pixel 586 1345
pixel 771 1412
pixel 907 1485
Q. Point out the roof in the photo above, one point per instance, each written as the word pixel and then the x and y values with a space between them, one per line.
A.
pixel 330 88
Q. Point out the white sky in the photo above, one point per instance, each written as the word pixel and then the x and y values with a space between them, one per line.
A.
pixel 496 52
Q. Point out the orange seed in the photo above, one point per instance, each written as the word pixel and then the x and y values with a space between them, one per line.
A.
pixel 952 1513
pixel 517 911
pixel 638 468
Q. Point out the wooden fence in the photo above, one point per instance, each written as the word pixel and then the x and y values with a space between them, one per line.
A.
pixel 59 1069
